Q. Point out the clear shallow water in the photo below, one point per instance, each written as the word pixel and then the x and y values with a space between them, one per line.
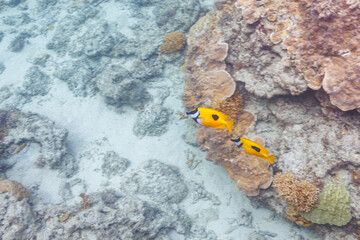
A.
pixel 104 121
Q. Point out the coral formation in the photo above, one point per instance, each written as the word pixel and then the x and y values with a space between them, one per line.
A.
pixel 311 32
pixel 333 207
pixel 302 195
pixel 230 106
pixel 206 78
pixel 294 216
pixel 249 172
pixel 209 84
pixel 14 188
pixel 173 42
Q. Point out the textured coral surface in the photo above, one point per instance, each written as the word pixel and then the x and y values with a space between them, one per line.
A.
pixel 301 195
pixel 321 39
pixel 173 42
pixel 333 208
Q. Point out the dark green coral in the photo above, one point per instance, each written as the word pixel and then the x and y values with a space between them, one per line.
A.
pixel 333 208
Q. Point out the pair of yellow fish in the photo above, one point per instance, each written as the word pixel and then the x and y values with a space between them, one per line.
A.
pixel 212 118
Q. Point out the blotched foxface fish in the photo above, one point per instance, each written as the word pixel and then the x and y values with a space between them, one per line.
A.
pixel 253 148
pixel 211 118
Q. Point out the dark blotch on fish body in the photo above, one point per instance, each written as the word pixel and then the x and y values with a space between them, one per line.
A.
pixel 215 117
pixel 255 148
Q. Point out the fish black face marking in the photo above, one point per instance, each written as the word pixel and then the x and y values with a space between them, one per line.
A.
pixel 255 148
pixel 192 112
pixel 215 117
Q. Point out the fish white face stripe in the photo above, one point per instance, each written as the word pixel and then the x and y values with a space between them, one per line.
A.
pixel 238 143
pixel 195 115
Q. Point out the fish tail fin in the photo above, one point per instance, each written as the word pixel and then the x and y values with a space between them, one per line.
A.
pixel 229 125
pixel 271 158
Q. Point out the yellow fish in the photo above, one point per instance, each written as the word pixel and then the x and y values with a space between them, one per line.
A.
pixel 253 148
pixel 211 118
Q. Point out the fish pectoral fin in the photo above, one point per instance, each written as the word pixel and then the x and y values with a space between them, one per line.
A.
pixel 229 125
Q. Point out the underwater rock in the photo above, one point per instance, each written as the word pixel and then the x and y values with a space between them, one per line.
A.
pixel 119 88
pixel 70 26
pixel 161 183
pixel 95 42
pixel 36 82
pixel 17 218
pixel 17 44
pixel 79 76
pixel 5 93
pixel 147 69
pixel 2 68
pixel 198 192
pixel 152 121
pixel 113 164
pixel 10 3
pixel 131 219
pixel 200 233
pixel 310 155
pixel 18 128
pixel 176 16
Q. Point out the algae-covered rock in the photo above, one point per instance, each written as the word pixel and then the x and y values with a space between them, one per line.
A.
pixel 333 208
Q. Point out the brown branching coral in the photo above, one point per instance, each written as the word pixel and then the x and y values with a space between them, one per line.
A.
pixel 230 106
pixel 302 195
pixel 173 42
pixel 294 216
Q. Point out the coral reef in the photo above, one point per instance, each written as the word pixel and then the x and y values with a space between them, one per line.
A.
pixel 209 84
pixel 173 42
pixel 309 32
pixel 333 207
pixel 302 195
pixel 14 188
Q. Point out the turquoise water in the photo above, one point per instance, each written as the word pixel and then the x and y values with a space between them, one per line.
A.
pixel 91 128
